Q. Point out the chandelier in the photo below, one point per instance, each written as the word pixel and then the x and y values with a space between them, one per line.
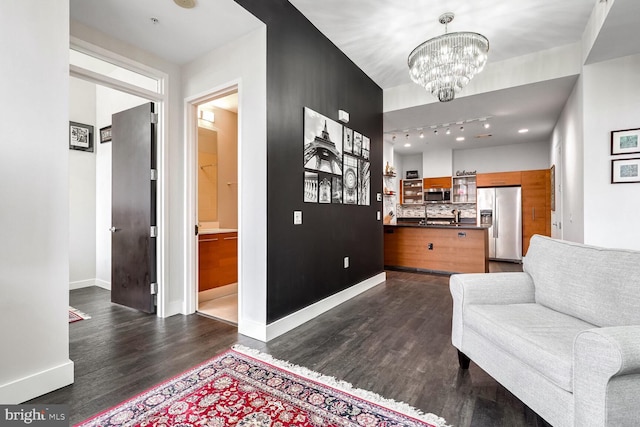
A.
pixel 445 64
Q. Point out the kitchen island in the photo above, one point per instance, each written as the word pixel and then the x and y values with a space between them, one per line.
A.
pixel 458 248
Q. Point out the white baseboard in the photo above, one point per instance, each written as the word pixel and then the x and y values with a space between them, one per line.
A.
pixel 35 385
pixel 268 332
pixel 82 284
pixel 174 307
pixel 102 284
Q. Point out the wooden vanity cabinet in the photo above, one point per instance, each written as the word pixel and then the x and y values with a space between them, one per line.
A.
pixel 217 260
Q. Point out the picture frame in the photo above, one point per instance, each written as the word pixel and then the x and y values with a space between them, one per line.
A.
pixel 626 141
pixel 105 134
pixel 625 171
pixel 80 137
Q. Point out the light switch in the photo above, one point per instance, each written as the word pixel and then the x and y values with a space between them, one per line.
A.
pixel 378 215
pixel 297 217
pixel 346 262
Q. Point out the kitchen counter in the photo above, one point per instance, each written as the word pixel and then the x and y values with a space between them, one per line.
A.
pixel 438 248
pixel 458 226
pixel 216 230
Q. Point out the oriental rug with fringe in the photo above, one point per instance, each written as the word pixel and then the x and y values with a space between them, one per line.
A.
pixel 245 388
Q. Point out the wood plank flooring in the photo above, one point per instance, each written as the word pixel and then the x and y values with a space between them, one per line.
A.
pixel 393 340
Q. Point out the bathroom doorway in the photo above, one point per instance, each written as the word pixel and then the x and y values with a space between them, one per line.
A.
pixel 217 207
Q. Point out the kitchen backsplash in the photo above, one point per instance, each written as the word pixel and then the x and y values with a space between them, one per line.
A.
pixel 407 211
pixel 437 210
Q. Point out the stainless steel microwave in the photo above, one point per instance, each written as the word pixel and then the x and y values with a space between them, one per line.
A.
pixel 437 195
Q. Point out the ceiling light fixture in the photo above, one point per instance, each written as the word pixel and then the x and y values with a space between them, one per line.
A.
pixel 187 4
pixel 486 125
pixel 523 131
pixel 407 145
pixel 448 132
pixel 445 64
pixel 421 134
pixel 460 138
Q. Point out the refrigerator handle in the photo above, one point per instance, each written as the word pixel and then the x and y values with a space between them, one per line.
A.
pixel 533 212
pixel 496 221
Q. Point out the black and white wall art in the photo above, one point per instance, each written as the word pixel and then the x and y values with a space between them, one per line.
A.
pixel 310 187
pixel 322 143
pixel 350 180
pixel 364 182
pixel 347 140
pixel 357 143
pixel 336 162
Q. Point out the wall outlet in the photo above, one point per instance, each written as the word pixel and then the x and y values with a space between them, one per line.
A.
pixel 297 217
pixel 346 262
pixel 379 197
pixel 378 215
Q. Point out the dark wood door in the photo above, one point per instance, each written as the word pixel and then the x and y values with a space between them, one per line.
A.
pixel 133 212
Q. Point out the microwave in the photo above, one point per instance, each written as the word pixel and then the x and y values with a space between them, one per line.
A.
pixel 437 195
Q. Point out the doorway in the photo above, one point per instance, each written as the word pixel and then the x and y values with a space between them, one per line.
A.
pixel 118 84
pixel 217 206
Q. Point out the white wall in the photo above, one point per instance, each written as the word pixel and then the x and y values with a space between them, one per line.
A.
pixel 108 102
pixel 244 60
pixel 34 189
pixel 505 158
pixel 611 102
pixel 437 163
pixel 82 190
pixel 411 162
pixel 568 156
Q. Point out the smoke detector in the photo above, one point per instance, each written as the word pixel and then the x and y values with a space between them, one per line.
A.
pixel 187 4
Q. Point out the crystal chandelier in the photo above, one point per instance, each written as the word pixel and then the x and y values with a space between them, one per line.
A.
pixel 445 64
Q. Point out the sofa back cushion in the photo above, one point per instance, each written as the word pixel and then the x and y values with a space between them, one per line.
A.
pixel 598 285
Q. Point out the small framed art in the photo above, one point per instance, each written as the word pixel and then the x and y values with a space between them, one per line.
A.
pixel 625 141
pixel 80 137
pixel 625 171
pixel 105 134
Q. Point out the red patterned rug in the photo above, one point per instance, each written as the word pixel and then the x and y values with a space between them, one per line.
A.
pixel 245 388
pixel 76 315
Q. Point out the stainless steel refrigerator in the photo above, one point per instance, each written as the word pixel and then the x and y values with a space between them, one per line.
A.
pixel 501 208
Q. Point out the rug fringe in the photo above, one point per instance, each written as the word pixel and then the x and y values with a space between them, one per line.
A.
pixel 79 313
pixel 344 386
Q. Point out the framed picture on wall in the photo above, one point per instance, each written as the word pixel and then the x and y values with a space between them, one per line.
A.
pixel 625 141
pixel 80 137
pixel 625 171
pixel 105 134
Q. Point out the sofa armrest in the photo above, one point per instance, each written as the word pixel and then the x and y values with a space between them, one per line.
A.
pixel 486 288
pixel 606 376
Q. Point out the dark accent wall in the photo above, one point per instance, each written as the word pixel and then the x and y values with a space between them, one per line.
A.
pixel 305 69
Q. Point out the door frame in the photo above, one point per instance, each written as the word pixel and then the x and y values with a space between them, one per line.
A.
pixel 191 196
pixel 161 99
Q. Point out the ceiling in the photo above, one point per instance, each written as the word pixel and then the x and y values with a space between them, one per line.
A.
pixel 378 36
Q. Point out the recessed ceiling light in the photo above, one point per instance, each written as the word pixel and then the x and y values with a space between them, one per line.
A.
pixel 448 131
pixel 460 138
pixel 523 131
pixel 154 21
pixel 486 125
pixel 187 4
pixel 421 134
pixel 407 145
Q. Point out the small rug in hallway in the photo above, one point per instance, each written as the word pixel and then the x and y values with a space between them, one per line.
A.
pixel 245 388
pixel 76 315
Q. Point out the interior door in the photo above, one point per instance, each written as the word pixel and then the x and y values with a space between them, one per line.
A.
pixel 133 212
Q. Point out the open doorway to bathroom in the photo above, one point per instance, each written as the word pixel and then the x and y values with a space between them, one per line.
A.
pixel 217 207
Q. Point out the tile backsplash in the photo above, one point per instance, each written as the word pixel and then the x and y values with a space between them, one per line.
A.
pixel 437 210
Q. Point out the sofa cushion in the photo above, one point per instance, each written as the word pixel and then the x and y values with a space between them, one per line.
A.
pixel 600 286
pixel 537 336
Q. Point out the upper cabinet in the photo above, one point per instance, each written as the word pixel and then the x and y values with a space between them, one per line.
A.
pixel 412 191
pixel 499 179
pixel 463 189
pixel 440 182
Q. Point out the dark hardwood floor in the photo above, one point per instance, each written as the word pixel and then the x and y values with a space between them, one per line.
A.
pixel 393 340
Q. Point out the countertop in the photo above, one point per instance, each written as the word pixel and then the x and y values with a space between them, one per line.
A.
pixel 216 230
pixel 463 226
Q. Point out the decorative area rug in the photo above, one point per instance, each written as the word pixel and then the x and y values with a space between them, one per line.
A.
pixel 76 315
pixel 245 388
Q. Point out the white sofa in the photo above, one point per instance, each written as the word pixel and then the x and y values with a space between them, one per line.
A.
pixel 563 336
